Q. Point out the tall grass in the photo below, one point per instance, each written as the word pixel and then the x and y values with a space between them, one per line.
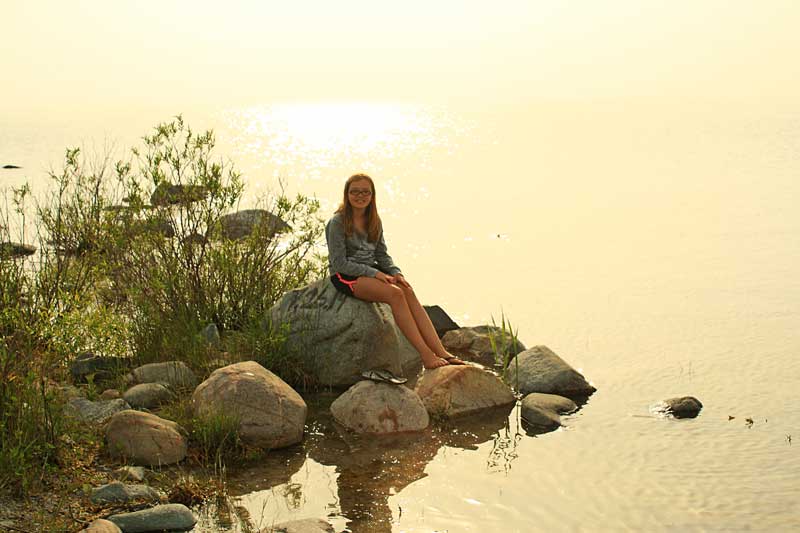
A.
pixel 504 341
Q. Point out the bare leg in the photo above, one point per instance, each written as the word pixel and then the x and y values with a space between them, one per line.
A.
pixel 373 290
pixel 425 325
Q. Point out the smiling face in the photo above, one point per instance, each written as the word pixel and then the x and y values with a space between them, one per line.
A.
pixel 359 193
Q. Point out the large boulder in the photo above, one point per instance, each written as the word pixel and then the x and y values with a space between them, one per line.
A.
pixel 370 407
pixel 241 224
pixel 338 336
pixel 145 439
pixel 172 373
pixel 269 412
pixel 167 517
pixel 461 389
pixel 96 412
pixel 306 525
pixel 475 344
pixel 147 395
pixel 539 369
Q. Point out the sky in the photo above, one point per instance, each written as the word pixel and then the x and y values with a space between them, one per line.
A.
pixel 106 53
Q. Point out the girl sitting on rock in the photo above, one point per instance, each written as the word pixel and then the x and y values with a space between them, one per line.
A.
pixel 360 267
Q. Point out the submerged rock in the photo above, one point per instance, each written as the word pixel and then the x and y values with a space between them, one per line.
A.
pixel 475 344
pixel 173 373
pixel 145 439
pixel 117 492
pixel 147 395
pixel 269 412
pixel 338 336
pixel 243 223
pixel 308 525
pixel 683 407
pixel 541 370
pixel 369 407
pixel 167 517
pixel 461 389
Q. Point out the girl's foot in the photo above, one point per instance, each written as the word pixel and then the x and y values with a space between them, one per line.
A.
pixel 431 361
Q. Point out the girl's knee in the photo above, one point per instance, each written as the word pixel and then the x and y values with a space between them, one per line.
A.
pixel 396 294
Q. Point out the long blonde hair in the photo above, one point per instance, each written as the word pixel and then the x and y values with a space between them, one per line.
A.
pixel 371 211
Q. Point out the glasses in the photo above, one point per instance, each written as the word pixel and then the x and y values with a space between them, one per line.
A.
pixel 360 192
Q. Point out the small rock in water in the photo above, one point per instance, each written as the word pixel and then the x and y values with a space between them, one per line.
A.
pixel 683 407
pixel 308 525
pixel 169 517
pixel 117 492
pixel 539 369
pixel 9 167
pixel 540 418
pixel 369 407
pixel 456 390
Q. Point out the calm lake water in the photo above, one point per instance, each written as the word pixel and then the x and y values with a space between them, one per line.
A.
pixel 656 249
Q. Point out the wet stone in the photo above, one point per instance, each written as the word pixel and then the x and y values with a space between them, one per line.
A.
pixel 167 517
pixel 683 407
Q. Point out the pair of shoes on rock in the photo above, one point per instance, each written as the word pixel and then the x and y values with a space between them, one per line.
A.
pixel 383 376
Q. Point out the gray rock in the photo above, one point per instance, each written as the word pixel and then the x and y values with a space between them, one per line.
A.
pixel 15 250
pixel 117 492
pixel 100 367
pixel 541 419
pixel 130 473
pixel 551 402
pixel 369 407
pixel 167 517
pixel 145 439
pixel 442 322
pixel 147 395
pixel 70 392
pixel 97 412
pixel 175 374
pixel 339 336
pixel 169 194
pixel 241 224
pixel 101 526
pixel 683 407
pixel 269 412
pixel 11 167
pixel 456 390
pixel 475 344
pixel 308 525
pixel 541 370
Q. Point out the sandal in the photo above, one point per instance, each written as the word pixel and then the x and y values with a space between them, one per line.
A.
pixel 383 376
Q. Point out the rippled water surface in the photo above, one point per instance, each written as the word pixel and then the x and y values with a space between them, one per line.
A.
pixel 656 250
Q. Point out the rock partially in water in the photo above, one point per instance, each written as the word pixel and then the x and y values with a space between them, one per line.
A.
pixel 175 374
pixel 145 439
pixel 11 167
pixel 541 370
pixel 167 517
pixel 551 402
pixel 97 412
pixel 147 395
pixel 270 413
pixel 308 525
pixel 101 526
pixel 168 194
pixel 683 407
pixel 97 367
pixel 369 407
pixel 117 492
pixel 442 322
pixel 455 390
pixel 475 344
pixel 241 224
pixel 339 336
pixel 15 250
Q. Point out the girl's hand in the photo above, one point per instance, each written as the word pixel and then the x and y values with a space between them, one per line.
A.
pixel 384 278
pixel 401 280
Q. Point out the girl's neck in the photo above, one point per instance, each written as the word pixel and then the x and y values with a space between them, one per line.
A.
pixel 359 213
